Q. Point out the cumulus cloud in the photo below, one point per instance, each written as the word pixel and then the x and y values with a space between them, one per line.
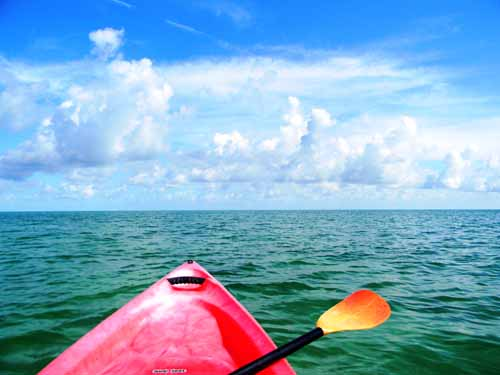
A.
pixel 274 126
pixel 295 126
pixel 230 143
pixel 119 115
pixel 321 117
pixel 37 154
pixel 22 102
pixel 308 151
pixel 453 175
pixel 269 144
pixel 106 41
pixel 466 171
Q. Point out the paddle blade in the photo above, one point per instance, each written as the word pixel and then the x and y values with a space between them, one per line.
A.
pixel 363 309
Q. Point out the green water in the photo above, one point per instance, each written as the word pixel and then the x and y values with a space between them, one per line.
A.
pixel 62 273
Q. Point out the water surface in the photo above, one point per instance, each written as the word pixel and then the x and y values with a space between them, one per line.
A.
pixel 62 273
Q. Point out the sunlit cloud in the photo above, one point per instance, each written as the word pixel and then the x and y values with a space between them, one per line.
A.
pixel 267 127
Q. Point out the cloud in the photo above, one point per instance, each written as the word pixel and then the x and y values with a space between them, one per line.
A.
pixel 68 190
pixel 90 175
pixel 150 177
pixel 220 42
pixel 236 12
pixel 75 191
pixel 119 115
pixel 106 41
pixel 321 117
pixel 122 3
pixel 269 127
pixel 295 126
pixel 331 77
pixel 230 143
pixel 183 27
pixel 269 144
pixel 465 171
pixel 21 102
pixel 96 126
pixel 305 153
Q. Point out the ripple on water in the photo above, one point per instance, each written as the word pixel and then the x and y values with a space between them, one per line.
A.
pixel 62 273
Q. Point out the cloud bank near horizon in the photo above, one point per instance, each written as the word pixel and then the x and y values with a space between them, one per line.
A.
pixel 230 129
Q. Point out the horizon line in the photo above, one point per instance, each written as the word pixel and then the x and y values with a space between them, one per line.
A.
pixel 253 209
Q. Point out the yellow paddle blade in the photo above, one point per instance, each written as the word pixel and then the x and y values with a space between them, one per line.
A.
pixel 363 309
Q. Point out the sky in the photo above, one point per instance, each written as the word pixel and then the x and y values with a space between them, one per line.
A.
pixel 221 104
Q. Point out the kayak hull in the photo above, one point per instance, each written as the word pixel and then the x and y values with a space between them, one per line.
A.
pixel 185 323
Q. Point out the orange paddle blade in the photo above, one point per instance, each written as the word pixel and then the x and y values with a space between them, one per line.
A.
pixel 363 309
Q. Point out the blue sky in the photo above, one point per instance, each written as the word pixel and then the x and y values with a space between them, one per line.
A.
pixel 115 104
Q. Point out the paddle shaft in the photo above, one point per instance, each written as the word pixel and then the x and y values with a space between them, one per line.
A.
pixel 279 353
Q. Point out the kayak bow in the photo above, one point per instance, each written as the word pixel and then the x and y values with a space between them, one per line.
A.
pixel 185 323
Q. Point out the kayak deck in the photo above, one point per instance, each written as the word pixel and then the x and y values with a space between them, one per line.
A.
pixel 185 323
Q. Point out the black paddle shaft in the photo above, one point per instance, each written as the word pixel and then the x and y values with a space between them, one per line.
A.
pixel 279 353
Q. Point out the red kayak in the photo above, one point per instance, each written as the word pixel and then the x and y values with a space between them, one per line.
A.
pixel 185 323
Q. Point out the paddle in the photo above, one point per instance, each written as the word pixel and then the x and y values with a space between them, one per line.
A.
pixel 363 309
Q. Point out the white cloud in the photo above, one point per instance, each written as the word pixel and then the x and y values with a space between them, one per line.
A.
pixel 269 144
pixel 295 128
pixel 100 127
pixel 119 115
pixel 237 13
pixel 93 175
pixel 122 3
pixel 149 177
pixel 329 187
pixel 36 154
pixel 22 102
pixel 225 130
pixel 332 77
pixel 180 179
pixel 106 41
pixel 230 143
pixel 453 175
pixel 76 191
pixel 184 27
pixel 322 117
pixel 390 159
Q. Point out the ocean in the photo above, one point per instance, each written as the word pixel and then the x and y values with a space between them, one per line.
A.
pixel 61 273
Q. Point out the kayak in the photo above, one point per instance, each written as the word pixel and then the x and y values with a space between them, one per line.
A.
pixel 185 323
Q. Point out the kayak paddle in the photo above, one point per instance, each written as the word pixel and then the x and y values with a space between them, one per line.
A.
pixel 363 309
